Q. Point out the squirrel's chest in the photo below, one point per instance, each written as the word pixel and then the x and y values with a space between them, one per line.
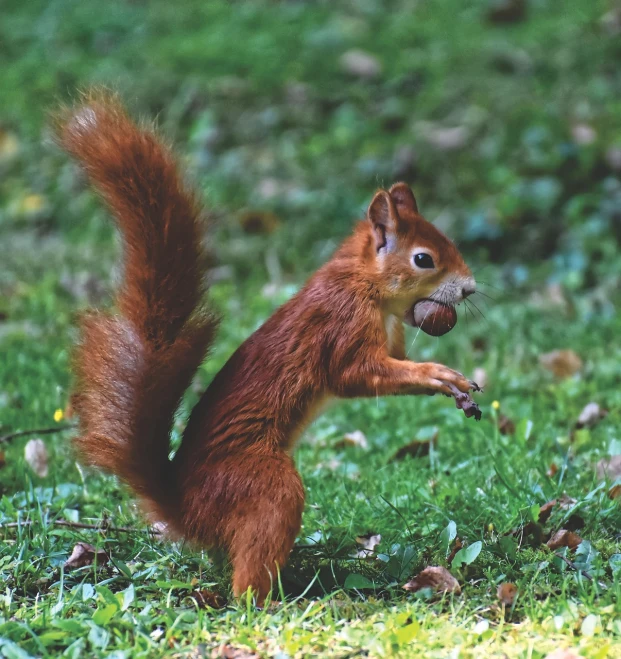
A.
pixel 391 325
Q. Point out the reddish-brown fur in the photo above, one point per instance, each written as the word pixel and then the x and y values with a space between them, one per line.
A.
pixel 233 484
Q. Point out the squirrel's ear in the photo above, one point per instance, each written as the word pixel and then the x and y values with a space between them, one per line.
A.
pixel 383 216
pixel 403 196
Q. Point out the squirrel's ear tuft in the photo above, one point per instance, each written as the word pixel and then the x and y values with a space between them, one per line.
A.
pixel 402 195
pixel 383 216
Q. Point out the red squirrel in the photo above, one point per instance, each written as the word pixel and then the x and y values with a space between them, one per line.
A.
pixel 233 484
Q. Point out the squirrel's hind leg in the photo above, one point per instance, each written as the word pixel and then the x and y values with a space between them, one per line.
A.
pixel 263 517
pixel 264 529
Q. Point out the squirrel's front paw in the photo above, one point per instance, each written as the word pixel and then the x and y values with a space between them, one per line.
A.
pixel 441 379
pixel 452 383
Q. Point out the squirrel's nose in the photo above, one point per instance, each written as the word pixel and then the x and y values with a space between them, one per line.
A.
pixel 467 290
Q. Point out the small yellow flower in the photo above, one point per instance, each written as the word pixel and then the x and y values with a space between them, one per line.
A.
pixel 496 405
pixel 59 415
pixel 33 203
pixel 490 528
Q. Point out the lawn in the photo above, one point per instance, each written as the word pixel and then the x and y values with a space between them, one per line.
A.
pixel 511 136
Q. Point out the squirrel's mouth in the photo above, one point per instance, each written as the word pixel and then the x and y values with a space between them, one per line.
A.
pixel 433 317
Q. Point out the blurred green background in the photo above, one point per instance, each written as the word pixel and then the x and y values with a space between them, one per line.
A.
pixel 505 117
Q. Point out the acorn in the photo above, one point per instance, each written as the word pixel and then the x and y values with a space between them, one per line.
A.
pixel 434 318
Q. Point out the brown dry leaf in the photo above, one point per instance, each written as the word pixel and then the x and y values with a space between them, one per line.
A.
pixel 561 363
pixel 564 538
pixel 507 11
pixel 85 554
pixel 438 579
pixel 506 593
pixel 355 438
pixel 2 459
pixel 259 222
pixel 416 448
pixel 226 651
pixel 368 542
pixel 563 653
pixel 552 470
pixel 545 511
pixel 614 492
pixel 207 598
pixel 36 456
pixel 590 416
pixel 531 530
pixel 505 425
pixel 609 468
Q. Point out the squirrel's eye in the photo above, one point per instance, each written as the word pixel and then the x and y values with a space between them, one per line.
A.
pixel 422 260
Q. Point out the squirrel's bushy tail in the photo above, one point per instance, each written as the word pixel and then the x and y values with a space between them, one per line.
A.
pixel 133 366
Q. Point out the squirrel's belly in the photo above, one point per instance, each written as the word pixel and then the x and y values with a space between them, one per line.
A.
pixel 313 412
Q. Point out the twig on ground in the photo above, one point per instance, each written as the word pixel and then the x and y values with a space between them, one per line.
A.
pixel 573 566
pixel 80 525
pixel 36 431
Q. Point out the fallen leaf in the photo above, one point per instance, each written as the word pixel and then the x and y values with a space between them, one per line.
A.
pixel 361 64
pixel 226 651
pixel 368 542
pixel 563 653
pixel 416 449
pixel 36 456
pixel 85 554
pixel 208 599
pixel 574 523
pixel 552 470
pixel 507 593
pixel 258 222
pixel 356 438
pixel 2 459
pixel 564 538
pixel 438 579
pixel 609 468
pixel 591 414
pixel 506 11
pixel 561 363
pixel 545 511
pixel 614 492
pixel 505 425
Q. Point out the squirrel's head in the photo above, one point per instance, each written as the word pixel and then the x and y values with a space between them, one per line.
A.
pixel 415 261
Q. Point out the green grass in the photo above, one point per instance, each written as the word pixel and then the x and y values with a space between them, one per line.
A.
pixel 534 212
